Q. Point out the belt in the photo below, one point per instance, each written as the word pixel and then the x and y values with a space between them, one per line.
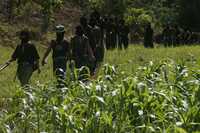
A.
pixel 24 63
pixel 59 58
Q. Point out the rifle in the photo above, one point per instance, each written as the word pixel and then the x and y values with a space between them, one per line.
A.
pixel 2 67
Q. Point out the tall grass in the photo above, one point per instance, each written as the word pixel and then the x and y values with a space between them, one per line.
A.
pixel 127 61
pixel 143 90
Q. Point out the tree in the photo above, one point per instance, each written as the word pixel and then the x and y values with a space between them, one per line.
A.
pixel 47 8
pixel 8 7
pixel 189 14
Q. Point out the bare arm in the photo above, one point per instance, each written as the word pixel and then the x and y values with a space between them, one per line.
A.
pixel 37 63
pixel 14 55
pixel 44 59
pixel 11 60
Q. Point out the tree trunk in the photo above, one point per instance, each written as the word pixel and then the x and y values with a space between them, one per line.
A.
pixel 7 8
pixel 45 23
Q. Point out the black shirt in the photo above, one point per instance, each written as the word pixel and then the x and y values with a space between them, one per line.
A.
pixel 61 49
pixel 80 46
pixel 25 53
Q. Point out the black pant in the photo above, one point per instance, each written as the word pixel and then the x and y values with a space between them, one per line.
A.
pixel 59 69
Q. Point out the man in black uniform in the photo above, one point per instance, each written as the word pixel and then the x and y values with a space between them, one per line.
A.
pixel 85 27
pixel 97 45
pixel 87 32
pixel 177 35
pixel 61 54
pixel 148 36
pixel 113 33
pixel 123 34
pixel 166 36
pixel 99 21
pixel 27 58
pixel 187 35
pixel 82 53
pixel 110 33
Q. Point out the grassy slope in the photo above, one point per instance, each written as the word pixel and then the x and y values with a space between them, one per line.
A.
pixel 127 61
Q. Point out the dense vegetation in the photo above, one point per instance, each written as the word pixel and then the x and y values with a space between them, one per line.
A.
pixel 137 90
pixel 183 12
pixel 146 92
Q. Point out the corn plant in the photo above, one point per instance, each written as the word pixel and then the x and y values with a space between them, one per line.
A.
pixel 158 97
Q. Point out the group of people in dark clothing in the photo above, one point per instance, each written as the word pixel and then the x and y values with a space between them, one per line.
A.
pixel 116 33
pixel 173 35
pixel 86 48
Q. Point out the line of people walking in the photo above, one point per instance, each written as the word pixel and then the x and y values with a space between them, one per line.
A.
pixel 114 30
pixel 86 48
pixel 174 35
pixel 171 36
pixel 78 51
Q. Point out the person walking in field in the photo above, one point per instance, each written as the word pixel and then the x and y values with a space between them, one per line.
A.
pixel 87 29
pixel 82 53
pixel 177 35
pixel 148 36
pixel 99 22
pixel 123 34
pixel 111 33
pixel 166 36
pixel 96 45
pixel 61 54
pixel 27 58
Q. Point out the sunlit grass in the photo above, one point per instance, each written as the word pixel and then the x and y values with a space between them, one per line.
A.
pixel 137 90
pixel 127 60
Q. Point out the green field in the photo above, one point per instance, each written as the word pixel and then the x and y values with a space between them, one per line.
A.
pixel 127 61
pixel 137 90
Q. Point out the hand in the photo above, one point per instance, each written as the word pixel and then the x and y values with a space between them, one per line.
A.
pixel 8 62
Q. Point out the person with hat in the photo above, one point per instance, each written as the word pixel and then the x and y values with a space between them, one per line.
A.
pixel 27 58
pixel 61 54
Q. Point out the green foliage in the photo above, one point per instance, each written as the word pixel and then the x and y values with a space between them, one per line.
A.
pixel 151 90
pixel 48 8
pixel 158 97
pixel 160 11
pixel 96 4
pixel 137 16
pixel 189 14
